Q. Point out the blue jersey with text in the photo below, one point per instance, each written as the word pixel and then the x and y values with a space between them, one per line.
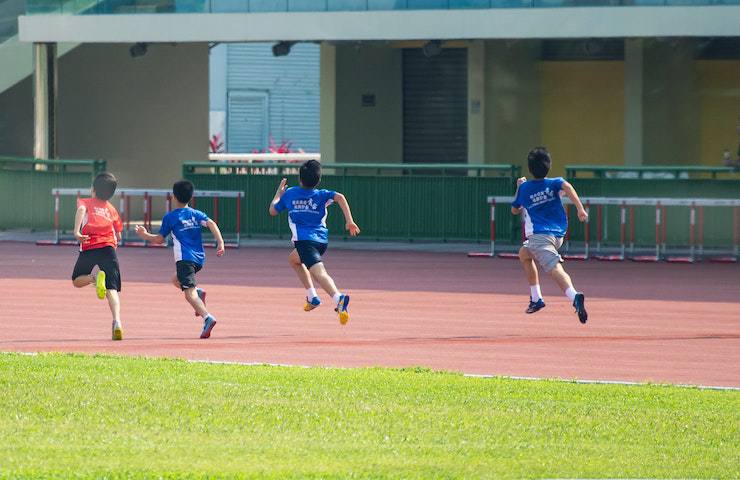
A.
pixel 544 212
pixel 307 212
pixel 185 224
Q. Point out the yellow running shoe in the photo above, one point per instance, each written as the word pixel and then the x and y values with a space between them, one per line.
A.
pixel 311 304
pixel 117 331
pixel 100 285
pixel 342 310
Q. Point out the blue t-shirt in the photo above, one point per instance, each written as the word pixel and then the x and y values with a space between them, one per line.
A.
pixel 185 224
pixel 544 212
pixel 307 212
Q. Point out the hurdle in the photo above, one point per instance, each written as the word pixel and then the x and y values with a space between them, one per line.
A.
pixel 627 242
pixel 125 197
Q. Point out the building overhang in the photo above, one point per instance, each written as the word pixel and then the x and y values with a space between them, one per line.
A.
pixel 521 23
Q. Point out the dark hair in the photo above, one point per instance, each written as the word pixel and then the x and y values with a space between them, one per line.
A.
pixel 310 173
pixel 105 185
pixel 183 191
pixel 539 162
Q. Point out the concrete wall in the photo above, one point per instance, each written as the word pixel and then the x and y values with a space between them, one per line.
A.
pixel 145 115
pixel 369 134
pixel 16 120
pixel 582 116
pixel 719 88
pixel 670 103
pixel 512 100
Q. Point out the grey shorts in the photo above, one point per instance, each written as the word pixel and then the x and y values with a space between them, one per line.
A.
pixel 544 249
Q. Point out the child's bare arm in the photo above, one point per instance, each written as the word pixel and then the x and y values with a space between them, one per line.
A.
pixel 350 225
pixel 149 237
pixel 79 214
pixel 279 193
pixel 519 181
pixel 213 227
pixel 571 193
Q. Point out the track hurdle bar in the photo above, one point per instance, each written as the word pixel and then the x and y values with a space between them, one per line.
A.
pixel 691 258
pixel 733 258
pixel 622 227
pixel 56 194
pixel 658 235
pixel 586 233
pixel 492 232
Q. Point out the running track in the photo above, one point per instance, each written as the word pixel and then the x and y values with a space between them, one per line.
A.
pixel 660 323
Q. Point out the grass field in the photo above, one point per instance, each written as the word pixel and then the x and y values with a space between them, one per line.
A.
pixel 113 417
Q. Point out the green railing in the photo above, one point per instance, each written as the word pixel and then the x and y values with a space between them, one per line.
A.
pixel 652 172
pixel 389 201
pixel 25 188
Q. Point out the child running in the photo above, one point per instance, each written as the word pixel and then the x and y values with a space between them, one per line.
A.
pixel 184 223
pixel 306 206
pixel 545 227
pixel 98 229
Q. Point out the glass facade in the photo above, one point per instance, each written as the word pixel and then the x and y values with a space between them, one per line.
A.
pixel 247 6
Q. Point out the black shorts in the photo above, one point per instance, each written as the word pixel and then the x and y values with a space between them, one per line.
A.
pixel 106 259
pixel 186 273
pixel 310 252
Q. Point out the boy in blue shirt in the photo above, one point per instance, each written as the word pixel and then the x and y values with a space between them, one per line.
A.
pixel 545 226
pixel 184 223
pixel 307 213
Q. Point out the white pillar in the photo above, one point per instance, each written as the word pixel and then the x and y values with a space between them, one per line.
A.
pixel 633 101
pixel 476 102
pixel 328 101
pixel 44 99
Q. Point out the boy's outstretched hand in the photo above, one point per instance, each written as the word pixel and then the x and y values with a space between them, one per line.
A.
pixel 140 231
pixel 81 238
pixel 520 180
pixel 281 188
pixel 220 249
pixel 582 215
pixel 352 228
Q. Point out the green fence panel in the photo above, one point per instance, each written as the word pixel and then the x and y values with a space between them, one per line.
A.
pixel 25 191
pixel 717 220
pixel 676 172
pixel 401 207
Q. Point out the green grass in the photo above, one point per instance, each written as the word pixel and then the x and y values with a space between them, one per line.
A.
pixel 79 416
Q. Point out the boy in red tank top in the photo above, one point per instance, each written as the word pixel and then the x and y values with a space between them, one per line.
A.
pixel 98 229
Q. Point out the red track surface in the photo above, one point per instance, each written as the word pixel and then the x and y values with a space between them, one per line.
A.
pixel 661 323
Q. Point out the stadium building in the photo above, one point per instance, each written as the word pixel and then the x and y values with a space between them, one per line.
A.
pixel 614 82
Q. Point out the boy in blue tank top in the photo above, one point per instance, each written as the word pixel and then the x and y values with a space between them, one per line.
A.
pixel 545 226
pixel 306 206
pixel 185 223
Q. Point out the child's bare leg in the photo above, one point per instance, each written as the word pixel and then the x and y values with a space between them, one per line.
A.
pixel 530 270
pixel 327 283
pixel 300 270
pixel 83 280
pixel 563 280
pixel 191 295
pixel 115 304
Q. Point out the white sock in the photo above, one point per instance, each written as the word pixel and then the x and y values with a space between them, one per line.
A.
pixel 337 296
pixel 535 292
pixel 311 293
pixel 571 293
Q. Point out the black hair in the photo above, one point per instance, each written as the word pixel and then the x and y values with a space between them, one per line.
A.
pixel 310 173
pixel 183 191
pixel 539 162
pixel 105 184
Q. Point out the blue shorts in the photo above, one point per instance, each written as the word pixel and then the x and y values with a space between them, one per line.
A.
pixel 310 252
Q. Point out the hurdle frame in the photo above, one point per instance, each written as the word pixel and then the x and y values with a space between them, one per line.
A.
pixel 627 214
pixel 147 194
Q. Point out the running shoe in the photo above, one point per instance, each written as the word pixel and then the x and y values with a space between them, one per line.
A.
pixel 100 285
pixel 208 325
pixel 117 331
pixel 579 303
pixel 341 309
pixel 311 304
pixel 202 295
pixel 535 306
